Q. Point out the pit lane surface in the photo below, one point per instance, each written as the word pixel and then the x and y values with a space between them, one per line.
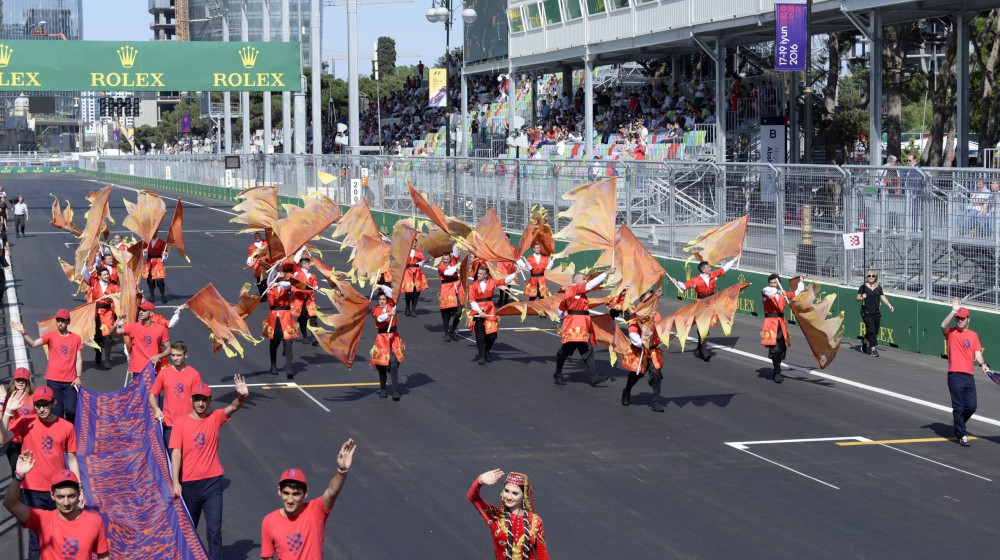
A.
pixel 610 481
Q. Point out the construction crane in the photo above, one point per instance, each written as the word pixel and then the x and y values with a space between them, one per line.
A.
pixel 182 17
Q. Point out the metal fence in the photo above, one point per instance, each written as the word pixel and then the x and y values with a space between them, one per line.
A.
pixel 931 233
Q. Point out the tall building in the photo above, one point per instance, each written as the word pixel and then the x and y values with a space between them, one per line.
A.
pixel 55 114
pixel 206 20
pixel 164 27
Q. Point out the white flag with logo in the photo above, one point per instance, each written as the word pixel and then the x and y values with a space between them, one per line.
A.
pixel 854 240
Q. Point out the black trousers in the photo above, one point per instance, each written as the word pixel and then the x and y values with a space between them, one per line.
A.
pixel 872 325
pixel 286 346
pixel 586 351
pixel 160 283
pixel 104 354
pixel 655 379
pixel 450 315
pixel 261 285
pixel 411 299
pixel 777 352
pixel 304 322
pixel 504 298
pixel 483 341
pixel 392 370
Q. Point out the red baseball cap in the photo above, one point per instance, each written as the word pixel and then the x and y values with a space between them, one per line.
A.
pixel 63 478
pixel 293 474
pixel 962 313
pixel 147 306
pixel 22 373
pixel 62 314
pixel 201 390
pixel 43 394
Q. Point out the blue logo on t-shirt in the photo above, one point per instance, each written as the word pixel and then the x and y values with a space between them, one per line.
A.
pixel 199 440
pixel 179 388
pixel 64 350
pixel 47 445
pixel 967 344
pixel 70 548
pixel 147 340
pixel 294 542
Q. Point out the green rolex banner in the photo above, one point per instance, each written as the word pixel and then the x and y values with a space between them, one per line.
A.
pixel 148 66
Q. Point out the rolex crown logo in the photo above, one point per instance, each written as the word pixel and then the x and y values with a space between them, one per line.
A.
pixel 5 53
pixel 127 56
pixel 248 55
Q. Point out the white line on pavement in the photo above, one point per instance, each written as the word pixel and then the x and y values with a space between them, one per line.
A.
pixel 14 313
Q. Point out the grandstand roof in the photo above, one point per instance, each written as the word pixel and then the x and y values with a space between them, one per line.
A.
pixel 828 16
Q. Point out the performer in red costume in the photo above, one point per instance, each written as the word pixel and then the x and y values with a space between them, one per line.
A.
pixel 577 332
pixel 704 286
pixel 451 298
pixel 280 326
pixel 304 299
pixel 153 270
pixel 644 356
pixel 774 335
pixel 257 259
pixel 537 264
pixel 483 320
pixel 414 281
pixel 516 530
pixel 387 352
pixel 101 288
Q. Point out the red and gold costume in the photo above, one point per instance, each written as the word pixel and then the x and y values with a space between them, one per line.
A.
pixel 387 340
pixel 105 308
pixel 414 279
pixel 481 292
pixel 257 258
pixel 385 278
pixel 704 284
pixel 280 300
pixel 515 537
pixel 638 356
pixel 619 304
pixel 154 260
pixel 304 297
pixel 576 325
pixel 507 268
pixel 452 292
pixel 536 287
pixel 774 317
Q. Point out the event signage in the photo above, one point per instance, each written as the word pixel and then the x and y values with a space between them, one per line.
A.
pixel 773 150
pixel 791 37
pixel 148 66
pixel 437 90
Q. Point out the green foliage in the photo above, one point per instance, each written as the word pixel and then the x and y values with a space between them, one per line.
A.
pixel 386 50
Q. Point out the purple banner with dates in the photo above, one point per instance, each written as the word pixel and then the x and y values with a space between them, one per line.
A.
pixel 126 477
pixel 791 37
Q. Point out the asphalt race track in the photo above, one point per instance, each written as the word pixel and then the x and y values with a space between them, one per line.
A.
pixel 737 466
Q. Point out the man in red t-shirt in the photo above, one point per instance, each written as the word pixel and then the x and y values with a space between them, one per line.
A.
pixel 68 533
pixel 63 374
pixel 147 339
pixel 196 471
pixel 963 345
pixel 52 442
pixel 296 531
pixel 175 382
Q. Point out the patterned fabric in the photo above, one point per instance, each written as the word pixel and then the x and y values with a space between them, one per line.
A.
pixel 118 440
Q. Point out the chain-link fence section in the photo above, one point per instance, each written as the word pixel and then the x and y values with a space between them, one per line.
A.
pixel 931 233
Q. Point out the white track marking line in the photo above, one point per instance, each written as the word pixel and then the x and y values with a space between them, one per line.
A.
pixel 14 313
pixel 787 468
pixel 851 383
pixel 253 385
pixel 743 446
pixel 936 462
pixel 312 398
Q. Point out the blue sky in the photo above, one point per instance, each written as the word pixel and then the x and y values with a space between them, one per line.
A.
pixel 406 23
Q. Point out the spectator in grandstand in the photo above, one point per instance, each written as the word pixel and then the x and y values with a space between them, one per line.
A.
pixel 987 220
pixel 975 209
pixel 297 529
pixel 48 438
pixel 68 531
pixel 194 450
pixel 914 183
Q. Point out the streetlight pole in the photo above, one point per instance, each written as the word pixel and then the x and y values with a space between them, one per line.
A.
pixel 443 11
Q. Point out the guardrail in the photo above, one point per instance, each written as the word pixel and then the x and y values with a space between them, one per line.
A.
pixel 929 232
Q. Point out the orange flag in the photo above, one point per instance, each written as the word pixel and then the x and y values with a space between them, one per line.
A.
pixel 342 342
pixel 258 208
pixel 129 272
pixel 96 216
pixel 222 320
pixel 403 238
pixel 637 267
pixel 548 306
pixel 175 236
pixel 367 259
pixel 356 223
pixel 822 331
pixel 81 322
pixel 537 231
pixel 432 211
pixel 435 243
pixel 145 215
pixel 246 302
pixel 63 219
pixel 607 333
pixel 719 243
pixel 592 217
pixel 489 241
pixel 302 225
pixel 725 303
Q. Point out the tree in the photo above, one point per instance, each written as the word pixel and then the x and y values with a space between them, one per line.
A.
pixel 983 79
pixel 455 54
pixel 898 40
pixel 386 49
